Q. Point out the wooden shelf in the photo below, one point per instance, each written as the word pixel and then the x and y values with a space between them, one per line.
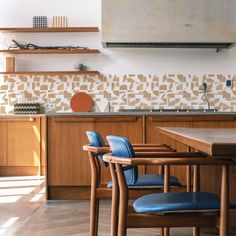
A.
pixel 50 51
pixel 49 30
pixel 51 73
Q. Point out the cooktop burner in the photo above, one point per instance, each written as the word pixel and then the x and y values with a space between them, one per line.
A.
pixel 168 110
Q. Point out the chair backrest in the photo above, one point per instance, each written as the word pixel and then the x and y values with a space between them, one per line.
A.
pixel 121 147
pixel 96 140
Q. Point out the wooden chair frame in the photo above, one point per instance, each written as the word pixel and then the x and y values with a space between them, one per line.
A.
pixel 99 190
pixel 130 219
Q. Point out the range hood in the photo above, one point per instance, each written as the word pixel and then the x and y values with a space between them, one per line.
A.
pixel 169 23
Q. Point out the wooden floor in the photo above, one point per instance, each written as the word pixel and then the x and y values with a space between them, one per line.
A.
pixel 24 212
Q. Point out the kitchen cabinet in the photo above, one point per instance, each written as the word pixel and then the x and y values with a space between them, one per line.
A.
pixel 68 164
pixel 129 127
pixel 66 137
pixel 21 142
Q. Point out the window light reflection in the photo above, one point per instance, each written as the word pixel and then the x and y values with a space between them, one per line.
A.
pixel 36 197
pixel 9 199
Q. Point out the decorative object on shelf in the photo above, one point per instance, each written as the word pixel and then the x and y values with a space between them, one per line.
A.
pixel 60 21
pixel 31 46
pixel 40 22
pixel 103 106
pixel 10 64
pixel 81 102
pixel 27 108
pixel 80 67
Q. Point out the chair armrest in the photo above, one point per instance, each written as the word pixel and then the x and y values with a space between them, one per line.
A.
pixel 153 149
pixel 96 149
pixel 149 145
pixel 170 154
pixel 167 161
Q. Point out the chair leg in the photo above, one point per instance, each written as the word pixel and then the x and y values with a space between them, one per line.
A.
pixel 115 202
pixel 224 208
pixel 123 201
pixel 161 231
pixel 196 231
pixel 94 213
pixel 166 231
pixel 196 188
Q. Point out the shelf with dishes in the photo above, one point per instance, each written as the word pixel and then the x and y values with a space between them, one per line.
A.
pixel 30 48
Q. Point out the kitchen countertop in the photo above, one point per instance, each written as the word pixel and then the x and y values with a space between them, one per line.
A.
pixel 137 113
pixel 13 115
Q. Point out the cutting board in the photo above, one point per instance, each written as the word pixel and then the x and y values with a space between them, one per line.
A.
pixel 81 102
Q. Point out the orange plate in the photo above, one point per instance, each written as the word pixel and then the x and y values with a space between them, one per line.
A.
pixel 81 102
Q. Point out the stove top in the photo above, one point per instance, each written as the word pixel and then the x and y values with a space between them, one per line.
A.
pixel 168 110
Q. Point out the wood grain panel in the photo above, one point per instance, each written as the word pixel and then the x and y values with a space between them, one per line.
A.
pixel 3 144
pixel 23 142
pixel 154 136
pixel 68 164
pixel 129 127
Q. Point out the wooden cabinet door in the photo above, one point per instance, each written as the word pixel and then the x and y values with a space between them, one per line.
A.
pixel 23 142
pixel 68 164
pixel 154 136
pixel 130 127
pixel 3 145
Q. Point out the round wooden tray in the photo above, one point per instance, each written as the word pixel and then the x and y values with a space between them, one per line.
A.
pixel 81 102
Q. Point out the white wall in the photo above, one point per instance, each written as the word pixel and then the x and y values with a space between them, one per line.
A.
pixel 19 13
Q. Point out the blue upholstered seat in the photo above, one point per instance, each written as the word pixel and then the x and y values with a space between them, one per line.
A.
pixel 152 181
pixel 121 147
pixel 181 201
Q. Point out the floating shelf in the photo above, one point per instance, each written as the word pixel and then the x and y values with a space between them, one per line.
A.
pixel 87 72
pixel 49 30
pixel 50 51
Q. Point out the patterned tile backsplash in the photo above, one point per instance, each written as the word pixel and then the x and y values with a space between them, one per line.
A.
pixel 123 92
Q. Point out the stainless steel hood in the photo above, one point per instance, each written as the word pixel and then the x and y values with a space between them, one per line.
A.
pixel 169 23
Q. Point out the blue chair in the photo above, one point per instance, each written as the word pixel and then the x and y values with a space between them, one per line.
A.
pixel 138 184
pixel 161 210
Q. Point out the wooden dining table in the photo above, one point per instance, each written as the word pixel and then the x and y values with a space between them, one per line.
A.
pixel 216 142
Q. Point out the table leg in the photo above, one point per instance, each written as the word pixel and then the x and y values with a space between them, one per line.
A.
pixel 166 189
pixel 189 178
pixel 224 205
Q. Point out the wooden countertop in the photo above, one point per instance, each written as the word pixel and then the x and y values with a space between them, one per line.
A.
pixel 213 141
